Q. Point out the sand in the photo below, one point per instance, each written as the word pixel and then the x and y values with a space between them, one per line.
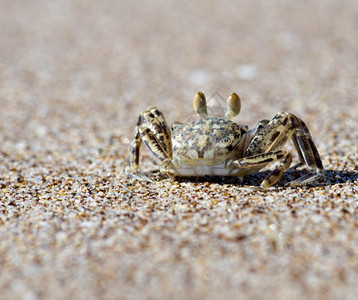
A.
pixel 74 76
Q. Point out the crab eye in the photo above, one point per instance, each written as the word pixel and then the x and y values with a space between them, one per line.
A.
pixel 233 106
pixel 199 105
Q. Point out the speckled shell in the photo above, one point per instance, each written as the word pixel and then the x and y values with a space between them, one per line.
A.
pixel 209 141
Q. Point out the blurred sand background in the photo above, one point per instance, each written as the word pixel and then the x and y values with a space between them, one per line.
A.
pixel 74 76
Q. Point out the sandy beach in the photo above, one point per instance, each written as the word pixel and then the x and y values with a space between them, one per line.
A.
pixel 74 77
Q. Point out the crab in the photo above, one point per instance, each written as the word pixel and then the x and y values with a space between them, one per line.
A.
pixel 214 146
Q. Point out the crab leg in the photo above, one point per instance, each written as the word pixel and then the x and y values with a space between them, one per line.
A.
pixel 132 164
pixel 276 173
pixel 256 162
pixel 260 125
pixel 308 155
pixel 253 132
pixel 271 137
pixel 276 133
pixel 153 130
pixel 153 144
pixel 160 128
pixel 306 149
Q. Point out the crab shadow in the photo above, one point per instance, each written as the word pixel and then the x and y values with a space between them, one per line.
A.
pixel 331 177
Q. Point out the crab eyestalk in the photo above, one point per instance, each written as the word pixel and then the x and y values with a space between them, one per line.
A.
pixel 233 106
pixel 199 105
